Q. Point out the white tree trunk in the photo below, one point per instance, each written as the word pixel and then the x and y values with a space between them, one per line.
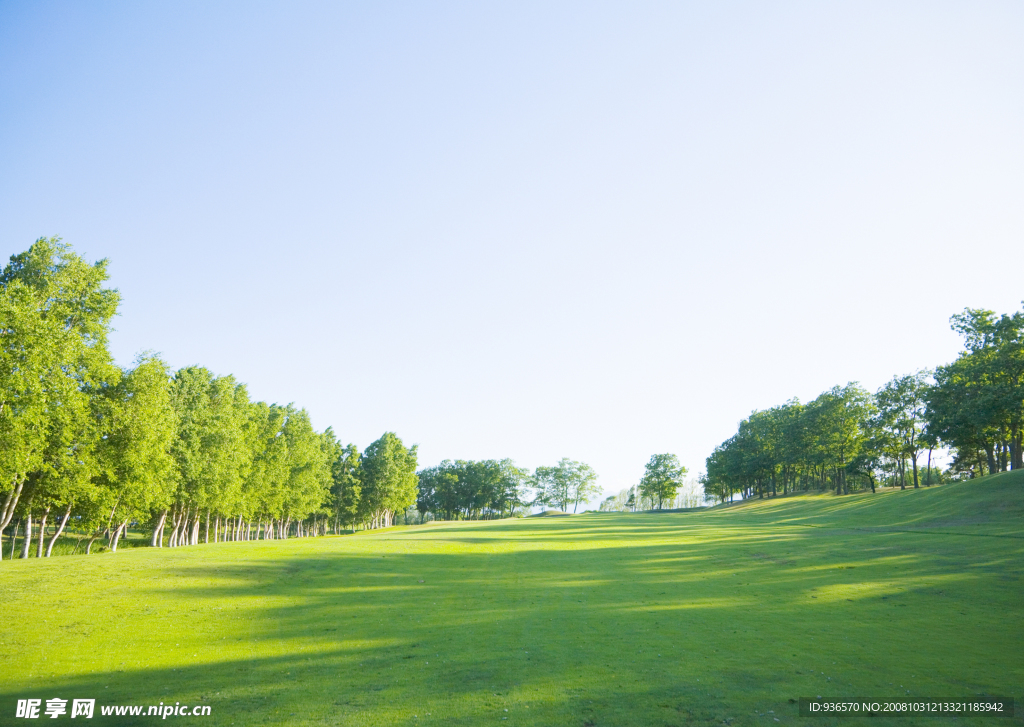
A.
pixel 117 536
pixel 42 532
pixel 158 531
pixel 28 535
pixel 14 541
pixel 172 542
pixel 10 503
pixel 60 529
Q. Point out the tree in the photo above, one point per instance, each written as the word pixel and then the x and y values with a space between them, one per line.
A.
pixel 438 491
pixel 550 488
pixel 841 415
pixel 901 411
pixel 663 476
pixel 53 355
pixel 582 482
pixel 511 485
pixel 309 474
pixel 346 487
pixel 389 479
pixel 977 403
pixel 568 481
pixel 136 461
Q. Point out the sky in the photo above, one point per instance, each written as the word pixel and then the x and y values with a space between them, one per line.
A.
pixel 526 229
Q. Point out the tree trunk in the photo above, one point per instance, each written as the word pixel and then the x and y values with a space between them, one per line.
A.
pixel 158 531
pixel 14 540
pixel 928 472
pixel 206 537
pixel 117 536
pixel 180 522
pixel 88 547
pixel 42 532
pixel 991 458
pixel 28 535
pixel 913 459
pixel 60 529
pixel 172 540
pixel 10 503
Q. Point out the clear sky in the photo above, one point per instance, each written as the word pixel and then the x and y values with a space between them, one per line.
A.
pixel 527 230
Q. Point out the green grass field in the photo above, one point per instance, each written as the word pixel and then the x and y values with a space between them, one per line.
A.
pixel 713 617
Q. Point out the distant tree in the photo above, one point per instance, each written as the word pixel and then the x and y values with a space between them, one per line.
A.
pixel 511 486
pixel 663 476
pixel 568 481
pixel 389 479
pixel 550 488
pixel 346 487
pixel 615 503
pixel 582 482
pixel 136 463
pixel 977 403
pixel 309 474
pixel 840 419
pixel 439 491
pixel 901 409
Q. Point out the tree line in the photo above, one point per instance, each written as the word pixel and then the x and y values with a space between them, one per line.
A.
pixel 658 489
pixel 185 455
pixel 849 439
pixel 468 490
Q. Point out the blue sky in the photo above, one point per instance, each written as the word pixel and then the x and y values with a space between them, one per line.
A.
pixel 527 230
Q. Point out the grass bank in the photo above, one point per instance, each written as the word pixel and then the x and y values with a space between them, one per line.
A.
pixel 722 615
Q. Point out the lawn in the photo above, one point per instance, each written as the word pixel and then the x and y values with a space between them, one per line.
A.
pixel 721 616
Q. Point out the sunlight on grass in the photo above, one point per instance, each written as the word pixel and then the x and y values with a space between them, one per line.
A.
pixel 618 619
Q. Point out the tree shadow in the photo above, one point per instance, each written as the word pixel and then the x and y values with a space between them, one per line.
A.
pixel 621 621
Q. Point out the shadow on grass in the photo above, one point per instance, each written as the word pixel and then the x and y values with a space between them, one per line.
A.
pixel 613 620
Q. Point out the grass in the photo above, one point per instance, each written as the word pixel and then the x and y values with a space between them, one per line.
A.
pixel 712 617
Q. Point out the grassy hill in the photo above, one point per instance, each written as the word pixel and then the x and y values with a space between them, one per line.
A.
pixel 711 617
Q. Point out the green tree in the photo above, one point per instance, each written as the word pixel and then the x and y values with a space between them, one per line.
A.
pixel 309 473
pixel 977 403
pixel 389 479
pixel 53 356
pixel 345 485
pixel 901 410
pixel 511 485
pixel 663 476
pixel 137 463
pixel 568 481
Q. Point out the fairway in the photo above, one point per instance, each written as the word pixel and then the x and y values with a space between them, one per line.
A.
pixel 599 619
